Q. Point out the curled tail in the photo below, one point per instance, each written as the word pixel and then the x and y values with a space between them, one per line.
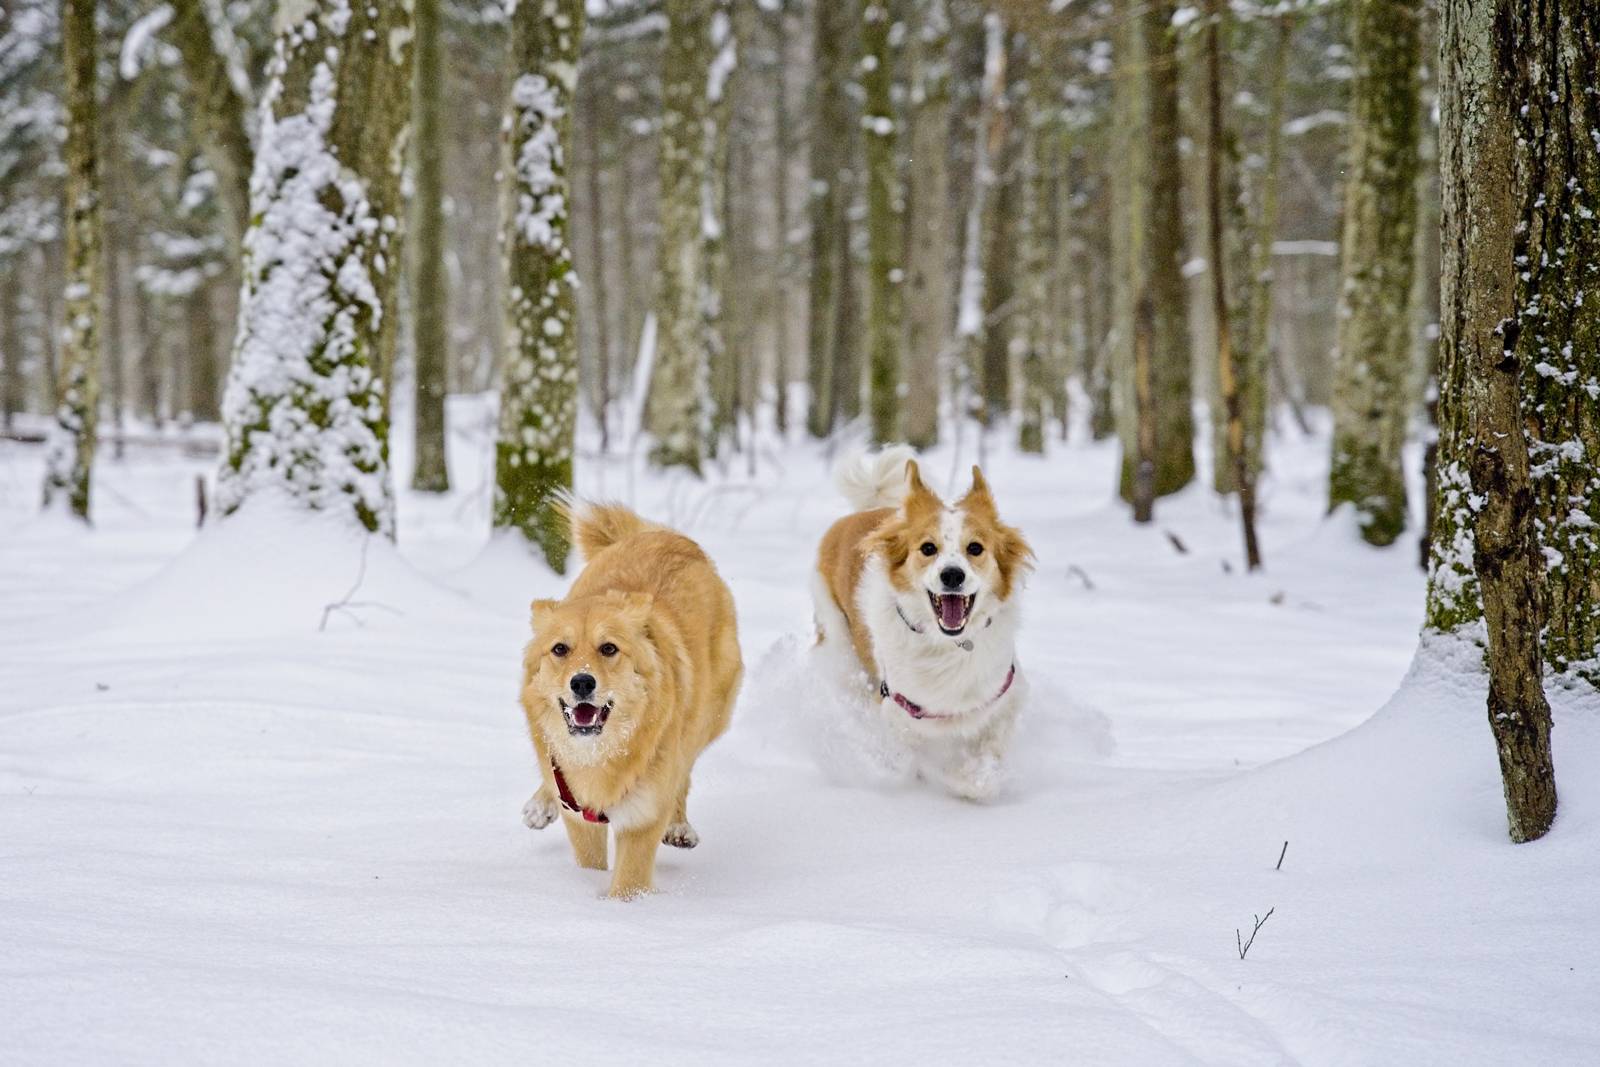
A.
pixel 596 527
pixel 874 479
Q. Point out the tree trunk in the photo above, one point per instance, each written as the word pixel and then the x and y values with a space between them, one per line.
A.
pixel 597 286
pixel 1266 232
pixel 218 110
pixel 721 358
pixel 1482 48
pixel 928 257
pixel 678 400
pixel 539 389
pixel 1371 399
pixel 430 282
pixel 306 406
pixel 784 147
pixel 885 223
pixel 972 325
pixel 202 345
pixel 71 458
pixel 1031 330
pixel 14 388
pixel 1151 251
pixel 830 160
pixel 1230 378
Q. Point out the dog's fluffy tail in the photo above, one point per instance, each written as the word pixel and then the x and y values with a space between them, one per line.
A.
pixel 874 479
pixel 595 527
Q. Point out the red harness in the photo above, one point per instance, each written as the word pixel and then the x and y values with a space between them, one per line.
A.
pixel 915 710
pixel 569 802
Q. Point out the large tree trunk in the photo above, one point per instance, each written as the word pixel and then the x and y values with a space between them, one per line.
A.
pixel 783 145
pixel 884 223
pixel 430 282
pixel 200 320
pixel 305 406
pixel 14 387
pixel 1266 232
pixel 1371 399
pixel 71 459
pixel 539 382
pixel 973 301
pixel 678 400
pixel 1483 47
pixel 1150 253
pixel 1031 332
pixel 218 110
pixel 599 290
pixel 830 160
pixel 928 257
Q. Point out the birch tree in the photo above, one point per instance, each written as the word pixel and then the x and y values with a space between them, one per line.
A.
pixel 71 459
pixel 927 296
pixel 539 386
pixel 1488 51
pixel 1371 400
pixel 678 395
pixel 885 270
pixel 304 406
pixel 430 284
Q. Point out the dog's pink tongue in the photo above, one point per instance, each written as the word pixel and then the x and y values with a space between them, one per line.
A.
pixel 585 714
pixel 952 611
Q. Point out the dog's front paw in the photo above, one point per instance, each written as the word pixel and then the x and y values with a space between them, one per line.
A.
pixel 978 780
pixel 680 835
pixel 540 811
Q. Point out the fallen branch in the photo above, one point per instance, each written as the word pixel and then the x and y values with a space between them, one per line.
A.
pixel 1082 575
pixel 348 605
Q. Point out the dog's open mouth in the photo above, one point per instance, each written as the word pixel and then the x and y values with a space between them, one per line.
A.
pixel 585 719
pixel 952 610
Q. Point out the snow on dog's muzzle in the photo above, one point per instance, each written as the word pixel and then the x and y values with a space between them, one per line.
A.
pixel 952 610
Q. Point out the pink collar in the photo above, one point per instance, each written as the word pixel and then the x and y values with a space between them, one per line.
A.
pixel 568 801
pixel 917 711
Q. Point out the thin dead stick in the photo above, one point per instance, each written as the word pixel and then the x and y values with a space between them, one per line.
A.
pixel 1261 920
pixel 1279 867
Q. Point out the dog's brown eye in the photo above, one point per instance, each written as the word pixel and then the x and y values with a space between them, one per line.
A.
pixel 608 649
pixel 558 650
pixel 974 549
pixel 929 548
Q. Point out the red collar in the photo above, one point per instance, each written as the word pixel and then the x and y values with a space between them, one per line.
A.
pixel 917 711
pixel 571 804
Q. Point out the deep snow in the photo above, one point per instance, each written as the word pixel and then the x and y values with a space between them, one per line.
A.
pixel 225 833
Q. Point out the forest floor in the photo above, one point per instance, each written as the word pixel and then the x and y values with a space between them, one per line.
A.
pixel 236 824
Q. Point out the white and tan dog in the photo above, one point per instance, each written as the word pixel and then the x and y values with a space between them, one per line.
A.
pixel 926 595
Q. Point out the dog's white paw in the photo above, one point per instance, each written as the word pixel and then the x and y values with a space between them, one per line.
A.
pixel 540 811
pixel 978 779
pixel 680 835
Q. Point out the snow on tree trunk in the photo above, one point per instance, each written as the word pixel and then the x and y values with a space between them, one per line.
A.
pixel 885 269
pixel 1370 398
pixel 67 473
pixel 830 161
pixel 539 382
pixel 1149 252
pixel 430 284
pixel 305 406
pixel 1485 313
pixel 1554 331
pixel 678 394
pixel 928 257
pixel 219 111
pixel 719 355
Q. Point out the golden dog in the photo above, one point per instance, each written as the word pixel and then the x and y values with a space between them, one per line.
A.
pixel 625 683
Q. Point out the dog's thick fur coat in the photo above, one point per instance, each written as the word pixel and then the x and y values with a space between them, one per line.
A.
pixel 625 683
pixel 925 598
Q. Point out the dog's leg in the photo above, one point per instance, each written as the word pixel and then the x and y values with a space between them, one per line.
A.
pixel 588 841
pixel 636 859
pixel 543 807
pixel 679 833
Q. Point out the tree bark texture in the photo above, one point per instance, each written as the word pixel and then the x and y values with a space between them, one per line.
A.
pixel 928 292
pixel 885 223
pixel 219 111
pixel 721 357
pixel 830 161
pixel 430 282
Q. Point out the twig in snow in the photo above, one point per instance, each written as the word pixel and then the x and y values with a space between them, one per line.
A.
pixel 1177 542
pixel 200 500
pixel 347 605
pixel 1261 920
pixel 1082 575
pixel 1279 867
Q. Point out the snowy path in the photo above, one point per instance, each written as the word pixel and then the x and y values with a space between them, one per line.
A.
pixel 225 834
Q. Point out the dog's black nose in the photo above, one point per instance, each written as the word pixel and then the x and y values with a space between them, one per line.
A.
pixel 953 577
pixel 583 686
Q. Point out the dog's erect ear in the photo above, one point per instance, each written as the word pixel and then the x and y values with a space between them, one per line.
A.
pixel 979 498
pixel 540 612
pixel 919 495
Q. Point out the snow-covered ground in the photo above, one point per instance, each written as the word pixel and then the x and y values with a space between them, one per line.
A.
pixel 229 832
